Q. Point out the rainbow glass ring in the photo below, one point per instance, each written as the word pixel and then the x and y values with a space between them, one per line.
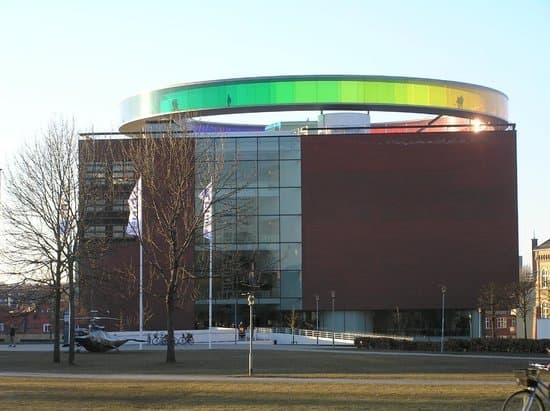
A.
pixel 316 92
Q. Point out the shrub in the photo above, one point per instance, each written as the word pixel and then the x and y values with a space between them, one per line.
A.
pixel 500 345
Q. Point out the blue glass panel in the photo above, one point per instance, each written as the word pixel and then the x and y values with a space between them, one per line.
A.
pixel 291 173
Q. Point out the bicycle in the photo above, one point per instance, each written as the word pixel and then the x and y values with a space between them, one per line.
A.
pixel 159 339
pixel 535 393
pixel 189 338
pixel 185 339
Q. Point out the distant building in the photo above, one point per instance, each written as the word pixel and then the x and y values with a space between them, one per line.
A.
pixel 27 308
pixel 505 325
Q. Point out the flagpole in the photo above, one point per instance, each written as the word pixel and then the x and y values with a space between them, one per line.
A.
pixel 140 294
pixel 210 297
pixel 207 232
pixel 134 229
pixel 210 271
pixel 140 225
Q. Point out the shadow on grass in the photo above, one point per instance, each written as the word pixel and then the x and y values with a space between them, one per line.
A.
pixel 266 362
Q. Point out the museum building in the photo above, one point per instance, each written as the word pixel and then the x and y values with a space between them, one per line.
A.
pixel 351 223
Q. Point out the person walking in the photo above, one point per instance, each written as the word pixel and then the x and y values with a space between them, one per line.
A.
pixel 12 336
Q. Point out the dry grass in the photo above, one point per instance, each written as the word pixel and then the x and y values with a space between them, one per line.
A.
pixel 102 394
pixel 48 394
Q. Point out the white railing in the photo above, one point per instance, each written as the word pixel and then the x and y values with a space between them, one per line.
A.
pixel 311 336
pixel 281 335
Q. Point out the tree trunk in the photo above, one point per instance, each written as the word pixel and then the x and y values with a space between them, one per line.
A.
pixel 71 313
pixel 170 342
pixel 57 321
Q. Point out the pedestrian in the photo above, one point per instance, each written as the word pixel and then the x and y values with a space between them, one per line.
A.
pixel 12 336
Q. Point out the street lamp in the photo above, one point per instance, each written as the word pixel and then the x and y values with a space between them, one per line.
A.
pixel 317 316
pixel 443 291
pixel 479 321
pixel 253 284
pixel 332 298
pixel 251 305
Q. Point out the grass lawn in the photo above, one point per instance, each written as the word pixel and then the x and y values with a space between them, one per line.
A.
pixel 101 394
pixel 48 394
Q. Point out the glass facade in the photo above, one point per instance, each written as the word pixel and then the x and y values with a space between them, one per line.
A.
pixel 257 226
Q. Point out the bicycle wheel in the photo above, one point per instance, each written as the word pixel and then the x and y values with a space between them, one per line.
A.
pixel 155 341
pixel 523 400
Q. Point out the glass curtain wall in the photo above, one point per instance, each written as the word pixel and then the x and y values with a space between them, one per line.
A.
pixel 257 227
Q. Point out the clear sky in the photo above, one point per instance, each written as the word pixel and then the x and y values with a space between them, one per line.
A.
pixel 81 58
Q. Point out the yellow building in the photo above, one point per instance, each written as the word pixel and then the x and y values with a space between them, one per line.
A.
pixel 541 272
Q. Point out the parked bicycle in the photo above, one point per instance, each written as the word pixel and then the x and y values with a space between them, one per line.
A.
pixel 534 395
pixel 185 339
pixel 159 339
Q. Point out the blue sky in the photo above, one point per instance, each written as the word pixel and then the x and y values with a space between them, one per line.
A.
pixel 80 59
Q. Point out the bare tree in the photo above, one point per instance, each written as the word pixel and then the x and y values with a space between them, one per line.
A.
pixel 43 215
pixel 167 165
pixel 522 298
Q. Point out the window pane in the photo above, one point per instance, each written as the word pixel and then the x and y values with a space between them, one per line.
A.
pixel 95 172
pixel 119 231
pixel 268 199
pixel 290 173
pixel 268 148
pixel 225 148
pixel 291 284
pixel 291 201
pixel 247 174
pixel 228 176
pixel 225 229
pixel 268 174
pixel 225 202
pixel 247 202
pixel 96 205
pixel 290 148
pixel 204 149
pixel 95 231
pixel 269 229
pixel 291 229
pixel 204 172
pixel 271 284
pixel 247 229
pixel 268 257
pixel 120 205
pixel 291 256
pixel 247 148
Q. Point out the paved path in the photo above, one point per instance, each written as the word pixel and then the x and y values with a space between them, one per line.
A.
pixel 265 345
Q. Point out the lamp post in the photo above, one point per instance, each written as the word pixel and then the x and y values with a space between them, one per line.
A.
pixel 235 308
pixel 470 325
pixel 317 316
pixel 479 321
pixel 332 298
pixel 443 291
pixel 251 305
